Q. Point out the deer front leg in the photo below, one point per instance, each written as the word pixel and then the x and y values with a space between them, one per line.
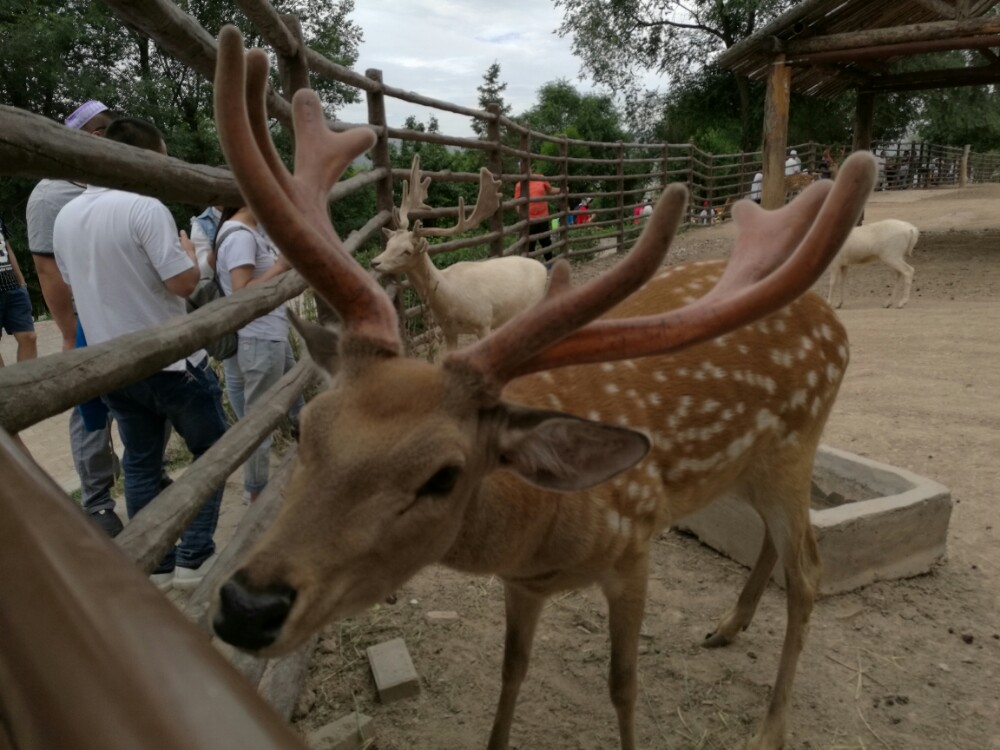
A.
pixel 626 595
pixel 523 609
pixel 796 545
pixel 739 617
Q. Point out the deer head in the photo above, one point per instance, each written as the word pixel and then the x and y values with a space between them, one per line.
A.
pixel 404 244
pixel 393 452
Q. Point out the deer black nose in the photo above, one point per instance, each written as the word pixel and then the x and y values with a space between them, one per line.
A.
pixel 251 619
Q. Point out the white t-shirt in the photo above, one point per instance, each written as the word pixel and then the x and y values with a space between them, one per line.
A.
pixel 242 245
pixel 757 186
pixel 793 165
pixel 115 249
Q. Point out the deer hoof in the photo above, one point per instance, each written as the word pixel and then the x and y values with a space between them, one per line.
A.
pixel 716 640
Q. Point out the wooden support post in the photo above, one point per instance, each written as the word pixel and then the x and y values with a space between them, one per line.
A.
pixel 495 163
pixel 621 199
pixel 775 133
pixel 963 167
pixel 864 114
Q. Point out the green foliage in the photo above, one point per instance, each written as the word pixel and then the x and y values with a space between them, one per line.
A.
pixel 490 92
pixel 56 54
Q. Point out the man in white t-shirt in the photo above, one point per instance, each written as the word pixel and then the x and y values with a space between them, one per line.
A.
pixel 793 164
pixel 757 187
pixel 128 269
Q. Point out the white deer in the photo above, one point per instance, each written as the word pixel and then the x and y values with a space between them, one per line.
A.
pixel 550 453
pixel 467 297
pixel 889 241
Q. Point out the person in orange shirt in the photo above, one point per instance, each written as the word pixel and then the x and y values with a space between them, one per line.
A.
pixel 538 211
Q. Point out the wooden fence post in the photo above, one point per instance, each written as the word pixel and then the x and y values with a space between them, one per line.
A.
pixel 495 163
pixel 621 198
pixel 564 194
pixel 963 167
pixel 383 188
pixel 775 133
pixel 665 177
pixel 524 145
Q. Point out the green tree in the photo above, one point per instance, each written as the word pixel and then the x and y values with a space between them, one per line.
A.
pixel 56 54
pixel 616 39
pixel 490 92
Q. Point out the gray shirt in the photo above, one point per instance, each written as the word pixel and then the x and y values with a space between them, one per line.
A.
pixel 44 205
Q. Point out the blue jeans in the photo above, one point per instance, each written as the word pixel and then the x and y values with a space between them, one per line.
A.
pixel 257 365
pixel 191 402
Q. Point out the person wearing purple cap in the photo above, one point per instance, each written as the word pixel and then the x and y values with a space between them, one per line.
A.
pixel 93 456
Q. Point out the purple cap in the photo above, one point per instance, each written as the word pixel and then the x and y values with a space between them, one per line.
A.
pixel 85 113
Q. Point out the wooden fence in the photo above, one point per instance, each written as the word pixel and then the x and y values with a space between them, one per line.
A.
pixel 616 176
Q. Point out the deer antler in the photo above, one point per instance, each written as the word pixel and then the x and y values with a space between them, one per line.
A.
pixel 411 201
pixel 293 209
pixel 487 202
pixel 777 256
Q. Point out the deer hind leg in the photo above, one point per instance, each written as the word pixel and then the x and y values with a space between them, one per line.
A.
pixel 904 280
pixel 626 595
pixel 838 274
pixel 739 617
pixel 796 546
pixel 523 609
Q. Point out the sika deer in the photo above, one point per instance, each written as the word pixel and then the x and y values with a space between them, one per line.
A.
pixel 467 297
pixel 493 462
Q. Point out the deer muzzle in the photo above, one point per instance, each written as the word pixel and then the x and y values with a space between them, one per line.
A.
pixel 251 619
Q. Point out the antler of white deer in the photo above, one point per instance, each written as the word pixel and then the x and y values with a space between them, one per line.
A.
pixel 499 357
pixel 293 208
pixel 487 202
pixel 778 256
pixel 414 195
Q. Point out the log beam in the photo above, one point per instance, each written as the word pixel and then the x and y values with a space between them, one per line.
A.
pixel 940 7
pixel 917 32
pixel 937 79
pixel 882 51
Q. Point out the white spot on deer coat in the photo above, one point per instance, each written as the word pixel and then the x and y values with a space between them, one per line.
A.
pixel 555 402
pixel 812 378
pixel 659 376
pixel 798 399
pixel 610 388
pixel 608 366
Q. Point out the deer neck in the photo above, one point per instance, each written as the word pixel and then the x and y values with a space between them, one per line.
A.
pixel 426 278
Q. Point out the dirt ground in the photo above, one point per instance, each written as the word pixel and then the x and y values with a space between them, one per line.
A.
pixel 900 664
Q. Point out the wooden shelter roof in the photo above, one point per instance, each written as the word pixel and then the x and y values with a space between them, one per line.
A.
pixel 835 45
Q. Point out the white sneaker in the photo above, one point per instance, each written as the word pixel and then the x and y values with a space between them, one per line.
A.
pixel 187 579
pixel 163 581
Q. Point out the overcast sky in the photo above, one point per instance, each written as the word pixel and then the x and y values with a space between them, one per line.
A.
pixel 442 48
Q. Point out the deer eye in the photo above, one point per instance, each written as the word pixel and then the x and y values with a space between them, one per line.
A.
pixel 443 481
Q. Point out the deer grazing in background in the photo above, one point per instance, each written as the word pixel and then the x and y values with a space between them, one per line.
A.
pixel 889 241
pixel 467 297
pixel 551 452
pixel 796 183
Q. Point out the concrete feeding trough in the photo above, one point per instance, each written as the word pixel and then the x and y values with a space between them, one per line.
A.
pixel 872 522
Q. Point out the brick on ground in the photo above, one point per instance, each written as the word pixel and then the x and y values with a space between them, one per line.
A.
pixel 395 676
pixel 350 732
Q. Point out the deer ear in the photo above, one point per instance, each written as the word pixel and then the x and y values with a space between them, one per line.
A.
pixel 387 232
pixel 558 451
pixel 322 343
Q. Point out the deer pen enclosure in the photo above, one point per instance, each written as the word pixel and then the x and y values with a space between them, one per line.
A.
pixel 45 546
